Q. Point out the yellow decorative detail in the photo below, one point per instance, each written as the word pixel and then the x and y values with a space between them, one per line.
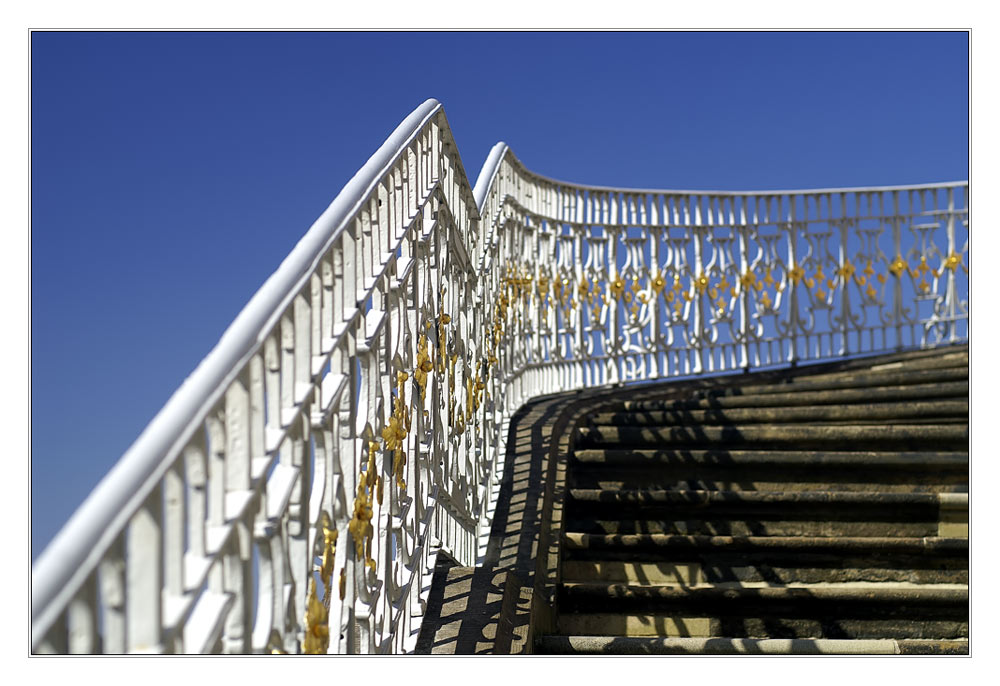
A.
pixel 617 286
pixel 820 294
pixel 766 299
pixel 809 282
pixel 922 267
pixel 343 583
pixel 423 368
pixel 713 293
pixel 768 279
pixel 831 284
pixel 657 283
pixel 868 269
pixel 748 280
pixel 953 261
pixel 360 526
pixel 395 432
pixel 796 273
pixel 819 273
pixel 898 266
pixel 670 296
pixel 881 278
pixel 860 280
pixel 701 283
pixel 846 272
pixel 317 637
pixel 871 291
pixel 724 284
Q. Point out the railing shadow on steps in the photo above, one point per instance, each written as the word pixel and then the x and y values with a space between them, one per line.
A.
pixel 293 494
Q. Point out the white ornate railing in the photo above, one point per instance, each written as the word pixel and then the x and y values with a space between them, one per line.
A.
pixel 293 493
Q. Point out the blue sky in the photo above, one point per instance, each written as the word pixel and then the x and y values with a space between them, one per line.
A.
pixel 172 172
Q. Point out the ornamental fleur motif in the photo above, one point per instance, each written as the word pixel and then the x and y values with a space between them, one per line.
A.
pixel 617 286
pixel 898 266
pixel 657 282
pixel 423 368
pixel 360 526
pixel 952 261
pixel 395 431
pixel 796 273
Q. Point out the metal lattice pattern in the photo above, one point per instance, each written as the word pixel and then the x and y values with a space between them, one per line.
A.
pixel 293 494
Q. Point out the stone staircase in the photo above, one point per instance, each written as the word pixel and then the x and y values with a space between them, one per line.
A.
pixel 807 512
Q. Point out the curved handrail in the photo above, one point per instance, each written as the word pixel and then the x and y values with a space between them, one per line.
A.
pixel 80 543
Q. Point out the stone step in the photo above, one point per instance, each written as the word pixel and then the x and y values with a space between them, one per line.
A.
pixel 758 524
pixel 761 479
pixel 777 501
pixel 782 459
pixel 804 397
pixel 907 437
pixel 835 381
pixel 838 599
pixel 767 513
pixel 768 625
pixel 821 546
pixel 636 645
pixel 939 411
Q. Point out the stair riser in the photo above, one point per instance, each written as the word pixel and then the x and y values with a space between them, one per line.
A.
pixel 946 390
pixel 756 527
pixel 835 382
pixel 937 412
pixel 804 569
pixel 689 573
pixel 731 479
pixel 618 645
pixel 807 461
pixel 801 610
pixel 882 438
pixel 649 624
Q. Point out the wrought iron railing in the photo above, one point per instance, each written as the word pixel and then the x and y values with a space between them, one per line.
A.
pixel 294 492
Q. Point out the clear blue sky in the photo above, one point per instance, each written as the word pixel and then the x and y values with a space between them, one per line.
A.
pixel 172 172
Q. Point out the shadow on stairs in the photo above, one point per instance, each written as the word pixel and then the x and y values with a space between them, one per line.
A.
pixel 817 510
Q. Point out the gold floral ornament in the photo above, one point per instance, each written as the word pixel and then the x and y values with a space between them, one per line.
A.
pixel 395 432
pixel 898 266
pixel 423 368
pixel 796 273
pixel 657 282
pixel 360 526
pixel 952 262
pixel 317 618
pixel 617 286
pixel 766 299
pixel 846 272
pixel 749 280
pixel 317 638
pixel 442 321
pixel 701 283
pixel 921 269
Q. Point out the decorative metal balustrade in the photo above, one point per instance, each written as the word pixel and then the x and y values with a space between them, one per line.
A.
pixel 294 492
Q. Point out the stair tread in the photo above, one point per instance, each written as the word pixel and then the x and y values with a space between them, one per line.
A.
pixel 705 497
pixel 748 646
